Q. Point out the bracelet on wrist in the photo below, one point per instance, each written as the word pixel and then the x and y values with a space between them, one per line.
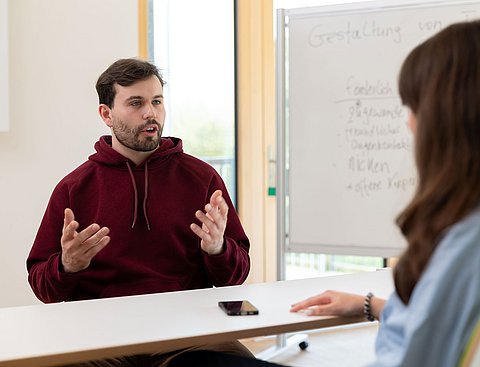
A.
pixel 367 309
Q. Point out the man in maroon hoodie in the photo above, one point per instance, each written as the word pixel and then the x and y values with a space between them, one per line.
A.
pixel 127 221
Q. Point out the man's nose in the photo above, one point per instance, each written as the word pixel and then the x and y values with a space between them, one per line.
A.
pixel 149 112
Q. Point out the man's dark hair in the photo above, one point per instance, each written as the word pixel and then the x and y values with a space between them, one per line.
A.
pixel 123 72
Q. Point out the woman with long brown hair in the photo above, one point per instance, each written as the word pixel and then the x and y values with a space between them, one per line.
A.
pixel 429 318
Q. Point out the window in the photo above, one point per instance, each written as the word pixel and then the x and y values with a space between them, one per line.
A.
pixel 192 42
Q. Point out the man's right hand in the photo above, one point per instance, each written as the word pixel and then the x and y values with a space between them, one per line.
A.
pixel 78 249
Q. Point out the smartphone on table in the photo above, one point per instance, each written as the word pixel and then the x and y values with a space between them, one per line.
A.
pixel 238 308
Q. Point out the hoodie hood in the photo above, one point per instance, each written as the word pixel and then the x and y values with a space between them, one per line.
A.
pixel 107 156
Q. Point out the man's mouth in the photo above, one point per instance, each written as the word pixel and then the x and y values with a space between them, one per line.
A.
pixel 150 129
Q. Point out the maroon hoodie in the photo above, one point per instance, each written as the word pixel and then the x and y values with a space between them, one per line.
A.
pixel 148 209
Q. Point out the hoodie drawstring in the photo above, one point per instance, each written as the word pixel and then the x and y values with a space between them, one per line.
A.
pixel 135 210
pixel 145 196
pixel 136 194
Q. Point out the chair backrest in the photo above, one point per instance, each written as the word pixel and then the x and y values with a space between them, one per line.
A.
pixel 471 356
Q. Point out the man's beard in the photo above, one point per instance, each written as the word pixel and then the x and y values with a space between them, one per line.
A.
pixel 130 137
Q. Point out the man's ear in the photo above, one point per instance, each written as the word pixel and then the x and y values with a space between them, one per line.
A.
pixel 106 114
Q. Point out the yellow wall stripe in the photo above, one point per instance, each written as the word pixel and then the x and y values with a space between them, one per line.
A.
pixel 143 29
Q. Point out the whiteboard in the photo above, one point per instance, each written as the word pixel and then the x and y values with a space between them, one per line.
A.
pixel 349 162
pixel 4 104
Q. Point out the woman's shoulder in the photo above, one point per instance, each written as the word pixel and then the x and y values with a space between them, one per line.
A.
pixel 463 238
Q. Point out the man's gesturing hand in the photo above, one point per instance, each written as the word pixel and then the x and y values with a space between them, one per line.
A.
pixel 214 222
pixel 78 249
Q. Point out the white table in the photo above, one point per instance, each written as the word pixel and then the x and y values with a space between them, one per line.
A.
pixel 53 334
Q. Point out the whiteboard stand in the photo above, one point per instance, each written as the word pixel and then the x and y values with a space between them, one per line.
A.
pixel 283 342
pixel 336 103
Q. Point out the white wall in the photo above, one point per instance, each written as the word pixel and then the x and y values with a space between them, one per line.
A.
pixel 3 65
pixel 57 49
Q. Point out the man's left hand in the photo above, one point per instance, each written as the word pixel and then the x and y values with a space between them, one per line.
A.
pixel 214 222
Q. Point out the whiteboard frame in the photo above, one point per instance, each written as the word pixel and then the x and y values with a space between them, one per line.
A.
pixel 4 68
pixel 282 123
pixel 281 177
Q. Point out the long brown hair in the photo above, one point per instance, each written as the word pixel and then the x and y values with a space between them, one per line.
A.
pixel 440 83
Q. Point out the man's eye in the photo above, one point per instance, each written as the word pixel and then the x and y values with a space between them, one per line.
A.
pixel 135 103
pixel 157 101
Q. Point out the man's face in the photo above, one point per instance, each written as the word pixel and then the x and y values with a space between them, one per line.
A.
pixel 138 114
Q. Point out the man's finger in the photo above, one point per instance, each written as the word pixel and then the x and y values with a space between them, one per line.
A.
pixel 206 219
pixel 88 232
pixel 215 196
pixel 69 230
pixel 205 236
pixel 222 205
pixel 68 217
pixel 99 236
pixel 95 249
